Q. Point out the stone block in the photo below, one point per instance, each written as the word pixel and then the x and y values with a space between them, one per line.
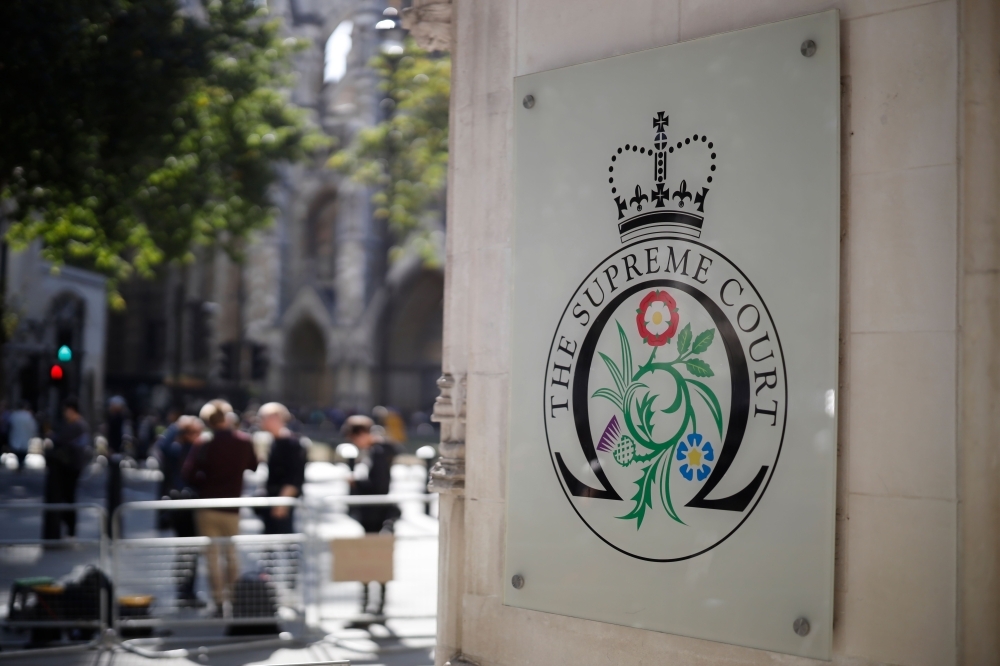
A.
pixel 489 309
pixel 902 438
pixel 551 33
pixel 904 79
pixel 484 547
pixel 486 437
pixel 901 573
pixel 700 18
pixel 903 239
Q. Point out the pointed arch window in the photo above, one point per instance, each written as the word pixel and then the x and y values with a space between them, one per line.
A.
pixel 338 48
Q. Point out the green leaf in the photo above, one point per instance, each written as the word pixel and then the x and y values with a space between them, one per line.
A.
pixel 643 497
pixel 608 394
pixel 646 413
pixel 699 368
pixel 615 372
pixel 703 341
pixel 713 403
pixel 684 339
pixel 626 352
pixel 642 421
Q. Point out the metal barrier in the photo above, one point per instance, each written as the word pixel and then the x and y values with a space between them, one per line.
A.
pixel 413 548
pixel 284 582
pixel 55 592
pixel 258 582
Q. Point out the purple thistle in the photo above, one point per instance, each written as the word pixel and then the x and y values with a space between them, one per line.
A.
pixel 610 436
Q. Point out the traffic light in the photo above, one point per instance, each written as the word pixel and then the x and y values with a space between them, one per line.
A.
pixel 64 375
pixel 258 362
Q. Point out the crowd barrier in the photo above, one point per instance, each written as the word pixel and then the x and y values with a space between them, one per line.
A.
pixel 259 575
pixel 134 583
pixel 58 590
pixel 339 560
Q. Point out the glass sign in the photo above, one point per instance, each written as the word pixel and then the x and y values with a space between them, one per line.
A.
pixel 672 451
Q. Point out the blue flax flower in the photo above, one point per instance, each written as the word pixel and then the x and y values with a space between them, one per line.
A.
pixel 695 456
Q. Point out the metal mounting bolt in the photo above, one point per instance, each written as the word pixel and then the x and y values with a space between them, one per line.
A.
pixel 529 101
pixel 801 626
pixel 518 580
pixel 808 48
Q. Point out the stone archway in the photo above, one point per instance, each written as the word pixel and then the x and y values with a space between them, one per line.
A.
pixel 411 338
pixel 306 377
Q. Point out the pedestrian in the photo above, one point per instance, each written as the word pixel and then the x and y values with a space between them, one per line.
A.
pixel 22 429
pixel 214 469
pixel 117 424
pixel 64 460
pixel 371 476
pixel 286 465
pixel 286 473
pixel 170 459
pixel 172 448
pixel 145 436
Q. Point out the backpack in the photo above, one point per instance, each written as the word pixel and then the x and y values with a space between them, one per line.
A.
pixel 253 596
pixel 82 595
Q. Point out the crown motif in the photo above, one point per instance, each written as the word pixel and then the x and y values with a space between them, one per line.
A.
pixel 673 200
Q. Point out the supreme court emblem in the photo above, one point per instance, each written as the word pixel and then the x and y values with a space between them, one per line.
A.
pixel 675 272
pixel 665 387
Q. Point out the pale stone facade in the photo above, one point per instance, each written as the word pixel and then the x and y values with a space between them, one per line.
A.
pixel 329 319
pixel 918 541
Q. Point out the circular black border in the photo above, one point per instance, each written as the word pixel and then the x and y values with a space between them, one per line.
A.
pixel 784 423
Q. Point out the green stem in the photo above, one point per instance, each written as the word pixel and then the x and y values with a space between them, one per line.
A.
pixel 660 446
pixel 646 457
pixel 665 489
pixel 651 357
pixel 690 406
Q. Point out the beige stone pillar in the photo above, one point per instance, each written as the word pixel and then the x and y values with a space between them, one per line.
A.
pixel 918 540
pixel 447 478
pixel 979 336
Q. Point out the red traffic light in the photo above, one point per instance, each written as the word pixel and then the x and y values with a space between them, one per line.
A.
pixel 56 372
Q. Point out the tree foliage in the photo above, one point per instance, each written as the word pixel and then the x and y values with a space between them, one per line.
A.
pixel 134 133
pixel 405 157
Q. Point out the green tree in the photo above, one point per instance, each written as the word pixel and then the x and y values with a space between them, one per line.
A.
pixel 405 157
pixel 133 133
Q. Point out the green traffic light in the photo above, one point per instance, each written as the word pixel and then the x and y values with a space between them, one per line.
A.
pixel 65 354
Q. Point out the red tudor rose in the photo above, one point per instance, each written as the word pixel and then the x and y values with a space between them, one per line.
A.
pixel 657 318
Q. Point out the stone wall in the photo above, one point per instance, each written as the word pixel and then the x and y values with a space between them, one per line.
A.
pixel 916 576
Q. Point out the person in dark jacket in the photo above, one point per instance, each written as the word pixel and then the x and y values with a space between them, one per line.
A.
pixel 286 473
pixel 372 475
pixel 286 466
pixel 173 447
pixel 117 424
pixel 69 454
pixel 214 469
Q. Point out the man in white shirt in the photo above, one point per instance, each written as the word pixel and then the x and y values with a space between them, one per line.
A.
pixel 22 429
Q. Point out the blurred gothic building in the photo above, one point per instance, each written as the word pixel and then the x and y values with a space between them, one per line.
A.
pixel 316 316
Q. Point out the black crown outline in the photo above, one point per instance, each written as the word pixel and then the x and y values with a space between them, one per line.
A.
pixel 660 208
